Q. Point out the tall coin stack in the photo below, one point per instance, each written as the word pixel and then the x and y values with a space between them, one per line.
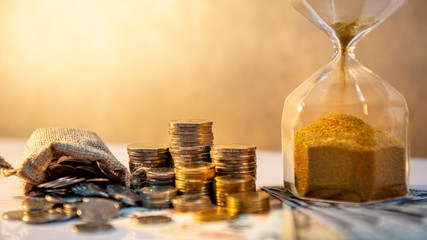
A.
pixel 147 156
pixel 194 178
pixel 234 159
pixel 226 185
pixel 190 140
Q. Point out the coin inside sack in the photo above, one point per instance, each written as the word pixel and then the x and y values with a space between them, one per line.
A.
pixel 90 227
pixel 151 220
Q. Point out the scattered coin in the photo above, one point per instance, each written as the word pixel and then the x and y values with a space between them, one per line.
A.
pixel 36 204
pixel 37 217
pixel 123 194
pixel 58 198
pixel 13 215
pixel 91 227
pixel 97 210
pixel 89 189
pixel 151 220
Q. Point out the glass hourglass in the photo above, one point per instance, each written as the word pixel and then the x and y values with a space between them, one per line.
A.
pixel 344 129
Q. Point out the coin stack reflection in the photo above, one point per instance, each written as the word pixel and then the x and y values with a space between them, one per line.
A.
pixel 248 202
pixel 190 140
pixel 226 185
pixel 234 159
pixel 194 178
pixel 148 156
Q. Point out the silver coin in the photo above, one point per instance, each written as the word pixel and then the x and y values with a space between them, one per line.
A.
pixel 91 227
pixel 36 217
pixel 123 194
pixel 13 215
pixel 72 161
pixel 61 182
pixel 62 214
pixel 36 204
pixel 57 198
pixel 97 210
pixel 151 220
pixel 89 189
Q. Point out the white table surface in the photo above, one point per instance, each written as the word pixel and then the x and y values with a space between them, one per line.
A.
pixel 269 173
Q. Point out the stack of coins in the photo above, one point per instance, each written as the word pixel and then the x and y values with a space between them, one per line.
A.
pixel 190 140
pixel 234 159
pixel 148 156
pixel 158 197
pixel 226 185
pixel 191 203
pixel 194 178
pixel 248 202
pixel 160 177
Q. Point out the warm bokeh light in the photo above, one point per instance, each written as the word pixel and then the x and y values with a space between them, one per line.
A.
pixel 125 68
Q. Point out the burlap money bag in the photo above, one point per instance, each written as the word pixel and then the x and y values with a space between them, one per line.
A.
pixel 47 143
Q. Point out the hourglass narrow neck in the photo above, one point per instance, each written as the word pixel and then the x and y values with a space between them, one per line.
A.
pixel 344 51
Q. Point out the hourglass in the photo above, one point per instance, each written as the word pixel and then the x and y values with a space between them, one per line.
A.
pixel 344 129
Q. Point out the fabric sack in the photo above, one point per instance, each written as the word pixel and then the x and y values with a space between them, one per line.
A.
pixel 47 144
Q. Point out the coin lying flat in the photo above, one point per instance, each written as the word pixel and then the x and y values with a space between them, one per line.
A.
pixel 123 194
pixel 58 198
pixel 91 227
pixel 37 217
pixel 97 210
pixel 151 220
pixel 36 204
pixel 13 215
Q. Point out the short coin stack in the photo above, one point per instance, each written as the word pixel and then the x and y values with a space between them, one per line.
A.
pixel 159 177
pixel 194 178
pixel 191 203
pixel 190 140
pixel 159 197
pixel 248 202
pixel 148 156
pixel 234 159
pixel 226 185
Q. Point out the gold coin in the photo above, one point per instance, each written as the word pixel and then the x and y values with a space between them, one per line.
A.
pixel 234 148
pixel 190 123
pixel 214 214
pixel 13 215
pixel 147 146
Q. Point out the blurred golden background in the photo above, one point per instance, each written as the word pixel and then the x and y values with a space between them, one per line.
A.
pixel 125 68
